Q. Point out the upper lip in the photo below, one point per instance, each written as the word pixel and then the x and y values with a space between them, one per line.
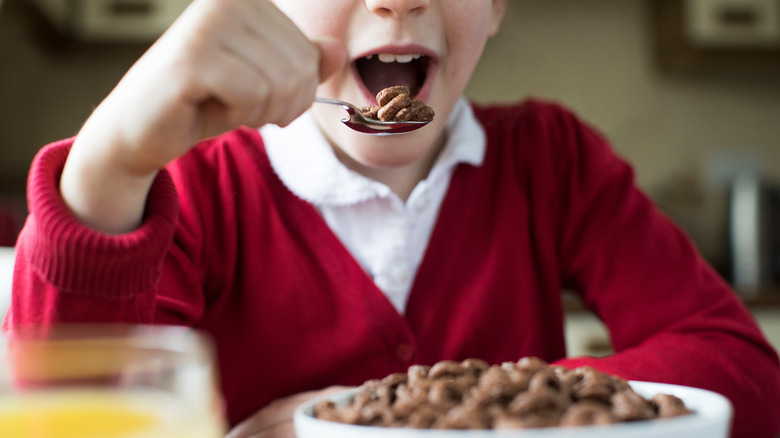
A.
pixel 394 49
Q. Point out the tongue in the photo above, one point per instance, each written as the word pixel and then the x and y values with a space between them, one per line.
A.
pixel 378 75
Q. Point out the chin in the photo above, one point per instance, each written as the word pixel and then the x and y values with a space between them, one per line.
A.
pixel 392 151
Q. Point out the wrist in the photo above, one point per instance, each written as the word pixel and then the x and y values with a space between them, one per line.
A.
pixel 101 190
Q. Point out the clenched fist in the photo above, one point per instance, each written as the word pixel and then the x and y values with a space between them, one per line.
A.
pixel 222 64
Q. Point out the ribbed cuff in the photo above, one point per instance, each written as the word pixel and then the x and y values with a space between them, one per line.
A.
pixel 79 259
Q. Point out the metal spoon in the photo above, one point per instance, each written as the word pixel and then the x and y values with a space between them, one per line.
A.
pixel 365 125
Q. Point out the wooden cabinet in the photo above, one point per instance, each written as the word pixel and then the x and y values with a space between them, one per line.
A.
pixel 586 335
pixel 113 21
pixel 736 37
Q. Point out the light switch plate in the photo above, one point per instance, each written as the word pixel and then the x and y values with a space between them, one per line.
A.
pixel 733 23
pixel 112 20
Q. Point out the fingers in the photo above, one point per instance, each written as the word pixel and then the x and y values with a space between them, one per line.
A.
pixel 222 64
pixel 253 95
pixel 284 430
pixel 290 64
pixel 275 420
pixel 252 60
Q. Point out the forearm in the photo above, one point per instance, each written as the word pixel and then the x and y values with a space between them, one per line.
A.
pixel 66 271
pixel 670 316
pixel 102 194
pixel 741 369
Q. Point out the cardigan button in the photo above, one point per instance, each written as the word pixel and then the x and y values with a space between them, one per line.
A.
pixel 400 274
pixel 404 353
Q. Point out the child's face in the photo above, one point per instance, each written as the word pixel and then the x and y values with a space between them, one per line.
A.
pixel 448 34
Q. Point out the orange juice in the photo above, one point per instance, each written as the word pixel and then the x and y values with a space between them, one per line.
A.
pixel 103 414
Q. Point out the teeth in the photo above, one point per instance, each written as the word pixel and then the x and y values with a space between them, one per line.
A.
pixel 386 57
pixel 389 57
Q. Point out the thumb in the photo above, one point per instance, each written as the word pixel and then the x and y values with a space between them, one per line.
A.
pixel 333 55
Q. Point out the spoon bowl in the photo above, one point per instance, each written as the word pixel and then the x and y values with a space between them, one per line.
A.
pixel 359 123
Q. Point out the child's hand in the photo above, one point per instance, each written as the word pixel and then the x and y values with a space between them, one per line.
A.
pixel 276 419
pixel 224 63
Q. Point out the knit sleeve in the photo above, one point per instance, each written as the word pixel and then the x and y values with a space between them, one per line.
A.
pixel 67 272
pixel 670 316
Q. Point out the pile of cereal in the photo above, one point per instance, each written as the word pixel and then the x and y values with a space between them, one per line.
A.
pixel 397 105
pixel 474 395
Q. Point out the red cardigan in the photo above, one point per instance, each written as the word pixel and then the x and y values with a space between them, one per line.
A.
pixel 226 248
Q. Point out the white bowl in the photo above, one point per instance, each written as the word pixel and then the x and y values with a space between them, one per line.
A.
pixel 711 419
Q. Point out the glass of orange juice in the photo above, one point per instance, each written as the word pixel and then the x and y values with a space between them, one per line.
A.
pixel 108 381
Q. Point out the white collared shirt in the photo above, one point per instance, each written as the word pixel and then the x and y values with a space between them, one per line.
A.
pixel 385 235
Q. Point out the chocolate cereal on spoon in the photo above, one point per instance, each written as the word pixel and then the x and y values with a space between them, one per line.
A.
pixel 396 104
pixel 396 113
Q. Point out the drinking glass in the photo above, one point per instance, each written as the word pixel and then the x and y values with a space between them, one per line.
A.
pixel 108 381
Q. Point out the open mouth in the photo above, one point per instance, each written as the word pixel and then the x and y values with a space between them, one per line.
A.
pixel 383 70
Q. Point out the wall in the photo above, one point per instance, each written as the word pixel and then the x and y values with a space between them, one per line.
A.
pixel 47 88
pixel 597 58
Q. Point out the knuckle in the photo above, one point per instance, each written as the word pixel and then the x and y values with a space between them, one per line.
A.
pixel 290 87
pixel 309 68
pixel 257 94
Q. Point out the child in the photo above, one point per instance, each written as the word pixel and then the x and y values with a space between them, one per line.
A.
pixel 318 256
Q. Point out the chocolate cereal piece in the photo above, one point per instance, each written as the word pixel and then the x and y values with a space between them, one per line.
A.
pixel 463 417
pixel 500 385
pixel 417 374
pixel 389 110
pixel 446 368
pixel 423 114
pixel 475 366
pixel 423 418
pixel 586 413
pixel 408 112
pixel 668 405
pixel 385 96
pixel 630 406
pixel 592 384
pixel 370 112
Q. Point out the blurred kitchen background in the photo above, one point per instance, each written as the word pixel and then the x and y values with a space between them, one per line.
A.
pixel 688 91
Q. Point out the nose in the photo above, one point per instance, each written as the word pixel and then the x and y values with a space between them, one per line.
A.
pixel 397 8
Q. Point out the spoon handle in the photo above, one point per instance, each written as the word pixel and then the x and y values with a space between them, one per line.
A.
pixel 351 109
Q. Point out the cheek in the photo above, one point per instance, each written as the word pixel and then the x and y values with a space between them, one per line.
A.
pixel 468 27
